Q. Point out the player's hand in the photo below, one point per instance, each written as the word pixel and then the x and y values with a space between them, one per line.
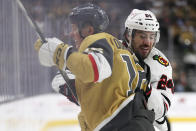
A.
pixel 140 106
pixel 46 50
pixel 52 52
pixel 59 85
pixel 147 92
pixel 148 89
pixel 64 90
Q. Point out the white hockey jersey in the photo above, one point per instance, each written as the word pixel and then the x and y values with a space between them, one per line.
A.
pixel 162 84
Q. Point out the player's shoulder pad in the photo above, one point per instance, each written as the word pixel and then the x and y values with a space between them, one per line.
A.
pixel 99 40
pixel 101 43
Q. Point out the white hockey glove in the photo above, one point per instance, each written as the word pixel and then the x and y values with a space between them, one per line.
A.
pixel 58 80
pixel 59 85
pixel 46 50
pixel 54 52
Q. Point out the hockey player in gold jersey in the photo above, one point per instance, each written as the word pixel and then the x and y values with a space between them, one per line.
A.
pixel 111 84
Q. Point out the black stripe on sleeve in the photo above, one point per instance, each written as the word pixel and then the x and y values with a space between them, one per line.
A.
pixel 70 51
pixel 160 122
pixel 167 99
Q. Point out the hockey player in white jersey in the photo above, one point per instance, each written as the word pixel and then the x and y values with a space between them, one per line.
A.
pixel 141 35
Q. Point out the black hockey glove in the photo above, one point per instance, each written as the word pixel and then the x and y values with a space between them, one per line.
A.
pixel 64 90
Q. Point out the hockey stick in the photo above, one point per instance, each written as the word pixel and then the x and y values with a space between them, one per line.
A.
pixel 40 34
pixel 31 21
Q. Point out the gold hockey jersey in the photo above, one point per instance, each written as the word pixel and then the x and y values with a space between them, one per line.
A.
pixel 106 77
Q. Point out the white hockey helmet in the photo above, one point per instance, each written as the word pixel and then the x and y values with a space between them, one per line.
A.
pixel 143 20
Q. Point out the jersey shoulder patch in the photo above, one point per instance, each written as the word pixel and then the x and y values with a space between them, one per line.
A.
pixel 161 60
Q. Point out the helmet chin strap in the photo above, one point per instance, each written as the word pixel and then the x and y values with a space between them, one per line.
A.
pixel 157 38
pixel 125 40
pixel 127 45
pixel 132 34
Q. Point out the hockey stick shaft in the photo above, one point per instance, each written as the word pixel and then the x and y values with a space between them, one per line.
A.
pixel 40 34
pixel 31 21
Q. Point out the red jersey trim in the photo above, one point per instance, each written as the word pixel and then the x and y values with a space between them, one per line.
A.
pixel 96 73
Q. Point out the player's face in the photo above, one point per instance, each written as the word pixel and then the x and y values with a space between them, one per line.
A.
pixel 76 35
pixel 79 36
pixel 143 42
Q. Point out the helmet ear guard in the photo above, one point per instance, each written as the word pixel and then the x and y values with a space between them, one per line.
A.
pixel 126 42
pixel 157 37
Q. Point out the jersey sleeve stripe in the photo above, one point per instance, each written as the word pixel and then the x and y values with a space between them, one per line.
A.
pixel 96 73
pixel 160 122
pixel 167 99
pixel 149 92
pixel 166 106
pixel 165 109
pixel 107 50
pixel 103 67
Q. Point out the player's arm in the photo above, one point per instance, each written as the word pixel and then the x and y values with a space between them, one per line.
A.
pixel 160 102
pixel 161 99
pixel 162 84
pixel 165 87
pixel 95 62
pixel 162 93
pixel 92 65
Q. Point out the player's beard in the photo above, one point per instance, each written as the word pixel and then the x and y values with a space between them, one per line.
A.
pixel 142 50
